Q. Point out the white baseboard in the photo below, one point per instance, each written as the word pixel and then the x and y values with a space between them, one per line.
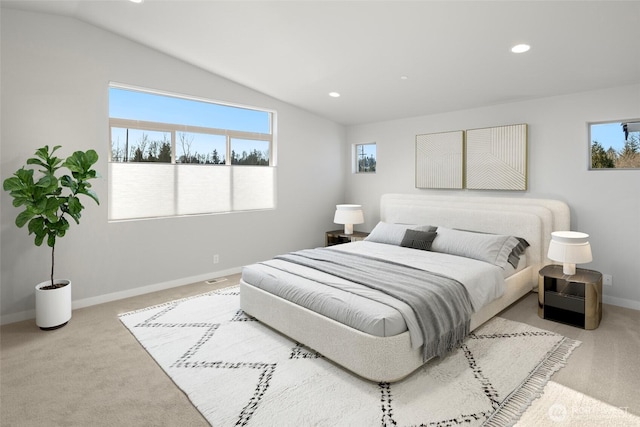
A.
pixel 17 317
pixel 101 299
pixel 620 302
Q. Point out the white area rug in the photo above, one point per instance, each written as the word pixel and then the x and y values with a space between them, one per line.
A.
pixel 237 371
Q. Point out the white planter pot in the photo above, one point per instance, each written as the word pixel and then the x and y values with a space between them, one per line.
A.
pixel 53 306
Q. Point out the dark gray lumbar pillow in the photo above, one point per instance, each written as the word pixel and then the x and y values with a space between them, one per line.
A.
pixel 417 239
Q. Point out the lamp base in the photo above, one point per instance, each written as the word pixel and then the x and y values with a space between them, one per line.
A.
pixel 569 269
pixel 348 229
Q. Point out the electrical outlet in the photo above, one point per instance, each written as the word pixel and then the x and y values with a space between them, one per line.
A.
pixel 216 258
pixel 607 280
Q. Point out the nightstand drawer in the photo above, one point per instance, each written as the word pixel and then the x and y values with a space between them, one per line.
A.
pixel 564 301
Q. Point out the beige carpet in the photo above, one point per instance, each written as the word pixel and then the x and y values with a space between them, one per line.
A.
pixel 93 372
pixel 561 406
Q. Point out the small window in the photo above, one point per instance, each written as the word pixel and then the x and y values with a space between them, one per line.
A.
pixel 615 145
pixel 365 158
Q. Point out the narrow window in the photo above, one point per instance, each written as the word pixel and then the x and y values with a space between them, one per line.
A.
pixel 365 158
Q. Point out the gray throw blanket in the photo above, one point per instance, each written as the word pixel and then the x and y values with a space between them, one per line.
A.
pixel 441 304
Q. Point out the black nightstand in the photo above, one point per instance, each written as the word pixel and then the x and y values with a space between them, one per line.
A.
pixel 575 300
pixel 337 236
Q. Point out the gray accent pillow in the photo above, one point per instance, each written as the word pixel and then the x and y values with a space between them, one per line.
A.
pixel 392 234
pixel 491 248
pixel 516 253
pixel 417 239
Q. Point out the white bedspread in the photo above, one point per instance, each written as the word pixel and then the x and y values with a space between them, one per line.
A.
pixel 366 309
pixel 483 281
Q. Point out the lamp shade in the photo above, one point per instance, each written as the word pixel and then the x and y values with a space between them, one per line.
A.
pixel 348 215
pixel 569 248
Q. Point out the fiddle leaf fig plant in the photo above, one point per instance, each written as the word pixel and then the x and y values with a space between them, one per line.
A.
pixel 48 198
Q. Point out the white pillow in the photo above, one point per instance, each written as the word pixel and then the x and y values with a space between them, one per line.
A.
pixel 392 234
pixel 491 248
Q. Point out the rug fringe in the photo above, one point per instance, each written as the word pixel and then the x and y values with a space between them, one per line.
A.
pixel 512 408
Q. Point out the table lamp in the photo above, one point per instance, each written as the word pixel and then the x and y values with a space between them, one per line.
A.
pixel 569 248
pixel 348 215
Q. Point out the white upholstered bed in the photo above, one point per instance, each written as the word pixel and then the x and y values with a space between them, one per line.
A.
pixel 391 358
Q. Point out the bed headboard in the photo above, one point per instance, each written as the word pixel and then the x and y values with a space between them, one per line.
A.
pixel 532 219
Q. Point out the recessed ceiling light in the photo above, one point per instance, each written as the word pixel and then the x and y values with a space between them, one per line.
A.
pixel 136 1
pixel 334 94
pixel 520 48
pixel 404 78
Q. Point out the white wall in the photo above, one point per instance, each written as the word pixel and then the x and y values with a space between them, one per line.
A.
pixel 604 204
pixel 55 76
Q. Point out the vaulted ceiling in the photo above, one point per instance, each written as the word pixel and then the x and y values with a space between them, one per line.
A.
pixel 387 59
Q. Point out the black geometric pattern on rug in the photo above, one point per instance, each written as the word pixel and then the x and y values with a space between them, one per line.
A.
pixel 488 389
pixel 302 352
pixel 241 316
pixel 513 335
pixel 385 403
pixel 209 329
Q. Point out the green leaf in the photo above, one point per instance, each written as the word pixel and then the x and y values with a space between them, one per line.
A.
pixel 76 217
pixel 40 206
pixel 25 176
pixel 36 225
pixel 91 157
pixel 74 206
pixel 19 200
pixel 24 217
pixel 54 163
pixel 60 228
pixel 12 184
pixel 90 193
pixel 43 152
pixel 51 215
pixel 53 203
pixel 34 161
pixel 81 162
pixel 51 240
pixel 47 181
pixel 70 183
pixel 73 162
pixel 39 239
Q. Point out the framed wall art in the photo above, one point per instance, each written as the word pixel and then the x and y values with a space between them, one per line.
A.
pixel 440 160
pixel 496 158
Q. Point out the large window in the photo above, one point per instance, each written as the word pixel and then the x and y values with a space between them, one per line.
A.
pixel 174 155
